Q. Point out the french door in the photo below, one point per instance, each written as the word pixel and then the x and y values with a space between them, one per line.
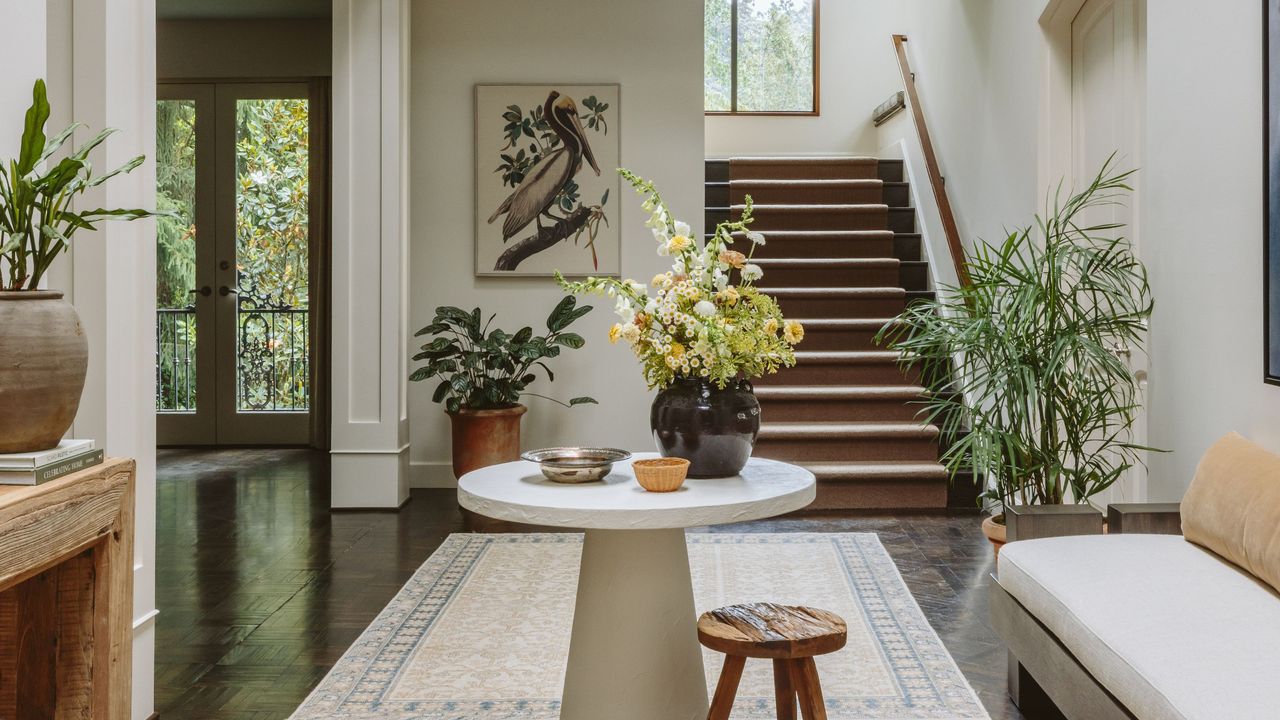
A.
pixel 235 325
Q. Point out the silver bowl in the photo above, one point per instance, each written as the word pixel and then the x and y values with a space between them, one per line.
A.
pixel 575 464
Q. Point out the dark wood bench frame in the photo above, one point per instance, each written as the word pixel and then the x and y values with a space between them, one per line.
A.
pixel 1045 678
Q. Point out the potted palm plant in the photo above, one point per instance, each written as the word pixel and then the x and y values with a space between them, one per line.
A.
pixel 43 351
pixel 1024 366
pixel 483 373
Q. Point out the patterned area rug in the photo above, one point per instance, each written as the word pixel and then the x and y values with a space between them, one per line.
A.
pixel 482 631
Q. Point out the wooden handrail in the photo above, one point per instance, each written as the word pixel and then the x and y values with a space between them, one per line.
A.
pixel 931 165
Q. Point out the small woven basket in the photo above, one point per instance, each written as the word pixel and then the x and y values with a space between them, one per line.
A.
pixel 661 474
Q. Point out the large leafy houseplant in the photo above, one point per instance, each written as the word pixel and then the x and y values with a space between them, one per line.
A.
pixel 43 349
pixel 483 373
pixel 1024 366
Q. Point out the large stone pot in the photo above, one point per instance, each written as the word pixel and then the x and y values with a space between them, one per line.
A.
pixel 43 358
pixel 485 437
pixel 714 429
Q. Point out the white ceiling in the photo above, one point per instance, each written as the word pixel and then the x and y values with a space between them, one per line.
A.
pixel 226 9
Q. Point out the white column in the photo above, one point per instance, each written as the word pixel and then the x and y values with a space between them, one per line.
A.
pixel 370 253
pixel 101 66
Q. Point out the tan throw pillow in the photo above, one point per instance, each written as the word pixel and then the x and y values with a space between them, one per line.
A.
pixel 1233 506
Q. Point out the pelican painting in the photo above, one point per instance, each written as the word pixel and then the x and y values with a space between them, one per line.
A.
pixel 543 207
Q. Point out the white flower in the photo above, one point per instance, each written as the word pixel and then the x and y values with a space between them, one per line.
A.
pixel 755 237
pixel 678 266
pixel 651 307
pixel 705 308
pixel 660 235
pixel 658 219
pixel 630 332
pixel 721 279
pixel 682 228
pixel 752 272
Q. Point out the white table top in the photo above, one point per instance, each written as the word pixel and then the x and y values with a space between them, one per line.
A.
pixel 518 492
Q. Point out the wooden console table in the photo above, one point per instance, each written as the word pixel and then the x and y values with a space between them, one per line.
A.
pixel 66 595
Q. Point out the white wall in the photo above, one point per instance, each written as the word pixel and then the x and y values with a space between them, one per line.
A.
pixel 979 66
pixel 654 50
pixel 1204 224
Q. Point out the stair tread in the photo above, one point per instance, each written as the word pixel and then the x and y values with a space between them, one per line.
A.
pixel 843 429
pixel 838 392
pixel 826 262
pixel 809 182
pixel 851 356
pixel 814 208
pixel 823 234
pixel 837 292
pixel 805 160
pixel 855 470
pixel 844 323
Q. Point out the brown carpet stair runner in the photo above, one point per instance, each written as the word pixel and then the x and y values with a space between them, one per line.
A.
pixel 843 257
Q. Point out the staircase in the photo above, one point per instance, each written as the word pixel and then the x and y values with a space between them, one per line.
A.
pixel 843 257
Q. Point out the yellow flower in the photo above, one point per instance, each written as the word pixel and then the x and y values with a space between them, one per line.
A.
pixel 660 280
pixel 678 244
pixel 677 350
pixel 728 296
pixel 793 332
pixel 771 326
pixel 614 332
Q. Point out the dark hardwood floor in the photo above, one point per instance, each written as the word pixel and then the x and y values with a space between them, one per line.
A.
pixel 261 588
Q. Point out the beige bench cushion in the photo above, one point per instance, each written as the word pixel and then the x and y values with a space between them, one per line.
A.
pixel 1169 628
pixel 1233 506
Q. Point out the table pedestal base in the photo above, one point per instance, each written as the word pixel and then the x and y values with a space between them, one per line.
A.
pixel 634 654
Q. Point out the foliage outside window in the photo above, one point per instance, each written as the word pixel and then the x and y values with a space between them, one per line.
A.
pixel 760 56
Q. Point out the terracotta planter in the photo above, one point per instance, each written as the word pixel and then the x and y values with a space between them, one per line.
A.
pixel 995 532
pixel 485 437
pixel 43 358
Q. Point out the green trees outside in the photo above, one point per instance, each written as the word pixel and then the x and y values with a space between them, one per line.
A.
pixel 775 46
pixel 272 253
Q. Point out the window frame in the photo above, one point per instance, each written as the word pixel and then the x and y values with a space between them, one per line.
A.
pixel 733 73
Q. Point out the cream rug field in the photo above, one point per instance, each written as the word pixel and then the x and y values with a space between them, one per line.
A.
pixel 482 631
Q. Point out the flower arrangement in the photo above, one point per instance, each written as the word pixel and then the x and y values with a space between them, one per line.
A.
pixel 704 318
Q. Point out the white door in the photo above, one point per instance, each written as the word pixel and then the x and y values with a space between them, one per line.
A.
pixel 1107 90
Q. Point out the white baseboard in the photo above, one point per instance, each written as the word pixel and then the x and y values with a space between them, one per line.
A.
pixel 431 474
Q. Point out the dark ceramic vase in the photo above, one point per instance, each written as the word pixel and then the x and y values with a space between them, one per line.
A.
pixel 713 429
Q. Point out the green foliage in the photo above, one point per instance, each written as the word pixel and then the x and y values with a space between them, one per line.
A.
pixel 175 196
pixel 37 217
pixel 482 369
pixel 1026 357
pixel 775 55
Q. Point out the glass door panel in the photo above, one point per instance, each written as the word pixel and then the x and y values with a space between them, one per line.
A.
pixel 184 322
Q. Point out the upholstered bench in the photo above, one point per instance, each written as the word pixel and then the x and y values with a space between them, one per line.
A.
pixel 1158 626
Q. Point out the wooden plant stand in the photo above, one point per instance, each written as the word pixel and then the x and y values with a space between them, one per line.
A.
pixel 66 595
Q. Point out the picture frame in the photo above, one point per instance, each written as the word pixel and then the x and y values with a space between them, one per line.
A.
pixel 1271 194
pixel 547 188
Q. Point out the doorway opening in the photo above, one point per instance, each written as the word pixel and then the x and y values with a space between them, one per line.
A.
pixel 242 263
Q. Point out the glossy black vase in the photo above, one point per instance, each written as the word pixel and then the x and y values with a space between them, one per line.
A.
pixel 713 429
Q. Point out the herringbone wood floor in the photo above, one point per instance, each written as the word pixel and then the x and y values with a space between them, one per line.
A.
pixel 261 588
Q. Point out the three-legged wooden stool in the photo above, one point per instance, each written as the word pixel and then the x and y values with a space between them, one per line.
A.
pixel 789 635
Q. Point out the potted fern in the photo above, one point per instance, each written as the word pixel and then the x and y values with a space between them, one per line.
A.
pixel 483 374
pixel 1024 366
pixel 43 351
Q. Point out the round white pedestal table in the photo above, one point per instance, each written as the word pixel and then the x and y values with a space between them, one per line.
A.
pixel 634 651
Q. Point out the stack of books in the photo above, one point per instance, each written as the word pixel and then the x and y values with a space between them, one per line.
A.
pixel 33 468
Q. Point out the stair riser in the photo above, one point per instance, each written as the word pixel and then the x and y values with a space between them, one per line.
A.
pixel 890 410
pixel 716 196
pixel 843 374
pixel 805 195
pixel 802 450
pixel 717 170
pixel 861 219
pixel 818 339
pixel 913 277
pixel 842 307
pixel 804 171
pixel 825 247
pixel 902 220
pixel 829 277
pixel 907 247
pixel 890 170
pixel 880 495
pixel 896 195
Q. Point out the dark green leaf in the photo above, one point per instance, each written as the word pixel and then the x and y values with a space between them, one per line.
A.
pixel 571 340
pixel 584 400
pixel 33 137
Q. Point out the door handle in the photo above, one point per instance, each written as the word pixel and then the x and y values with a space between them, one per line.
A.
pixel 206 291
pixel 225 291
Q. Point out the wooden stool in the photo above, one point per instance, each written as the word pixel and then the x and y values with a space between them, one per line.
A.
pixel 787 634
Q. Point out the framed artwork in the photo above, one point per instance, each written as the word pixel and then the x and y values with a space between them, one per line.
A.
pixel 546 180
pixel 1271 202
